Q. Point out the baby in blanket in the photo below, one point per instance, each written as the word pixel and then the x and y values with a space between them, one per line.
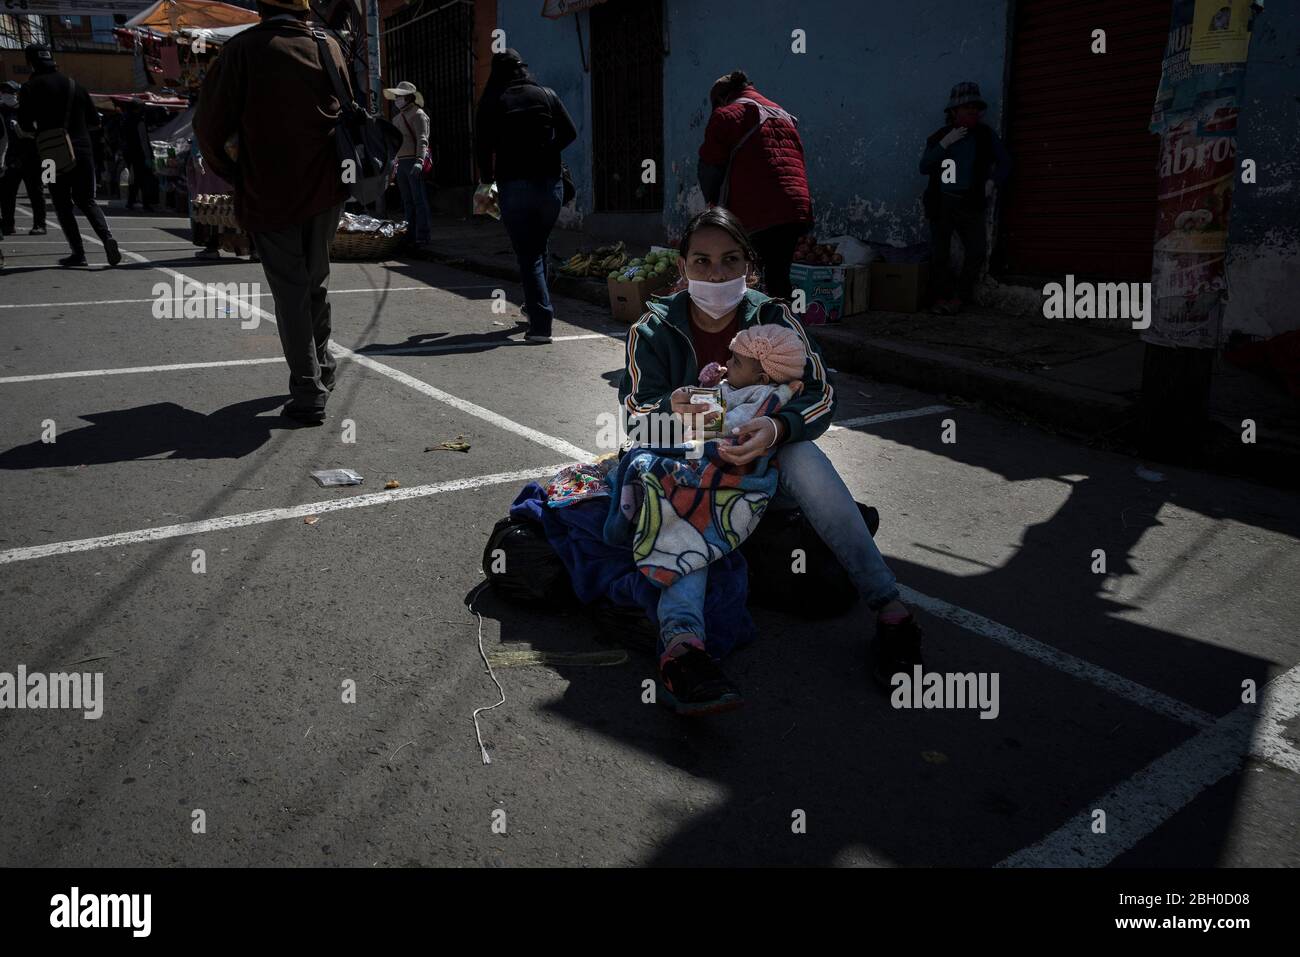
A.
pixel 765 361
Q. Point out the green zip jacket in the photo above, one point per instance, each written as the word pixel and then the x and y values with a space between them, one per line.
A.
pixel 661 359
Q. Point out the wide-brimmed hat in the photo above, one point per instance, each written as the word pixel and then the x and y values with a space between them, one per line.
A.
pixel 288 4
pixel 405 88
pixel 965 93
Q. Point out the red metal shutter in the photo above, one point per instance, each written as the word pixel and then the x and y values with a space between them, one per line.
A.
pixel 1082 193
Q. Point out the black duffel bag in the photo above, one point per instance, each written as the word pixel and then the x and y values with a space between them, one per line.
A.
pixel 521 565
pixel 821 589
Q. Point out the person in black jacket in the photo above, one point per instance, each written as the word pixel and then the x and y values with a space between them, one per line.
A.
pixel 138 154
pixel 522 127
pixel 20 166
pixel 49 101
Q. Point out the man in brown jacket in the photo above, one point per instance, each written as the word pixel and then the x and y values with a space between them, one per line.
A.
pixel 268 100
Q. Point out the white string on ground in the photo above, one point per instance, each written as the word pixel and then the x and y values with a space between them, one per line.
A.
pixel 487 758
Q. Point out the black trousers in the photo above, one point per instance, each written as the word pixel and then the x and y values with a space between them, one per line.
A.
pixel 77 187
pixel 953 215
pixel 144 185
pixel 775 248
pixel 296 261
pixel 30 177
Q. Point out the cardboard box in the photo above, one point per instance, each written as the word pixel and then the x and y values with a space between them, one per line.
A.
pixel 899 287
pixel 823 289
pixel 857 290
pixel 627 299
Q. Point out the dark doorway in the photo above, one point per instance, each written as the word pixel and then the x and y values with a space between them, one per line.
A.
pixel 433 51
pixel 1082 193
pixel 627 113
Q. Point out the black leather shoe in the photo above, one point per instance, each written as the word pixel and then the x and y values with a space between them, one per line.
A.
pixel 76 259
pixel 114 254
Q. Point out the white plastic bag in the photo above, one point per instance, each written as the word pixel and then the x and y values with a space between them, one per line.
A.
pixel 855 252
pixel 485 201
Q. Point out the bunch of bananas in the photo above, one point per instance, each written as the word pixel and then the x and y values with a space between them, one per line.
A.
pixel 597 263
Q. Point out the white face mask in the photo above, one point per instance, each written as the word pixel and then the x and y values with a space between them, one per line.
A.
pixel 716 299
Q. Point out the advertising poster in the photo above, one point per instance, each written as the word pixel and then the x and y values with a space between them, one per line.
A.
pixel 1198 160
pixel 1220 31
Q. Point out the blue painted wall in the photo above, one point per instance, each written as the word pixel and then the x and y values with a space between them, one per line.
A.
pixel 1264 231
pixel 871 86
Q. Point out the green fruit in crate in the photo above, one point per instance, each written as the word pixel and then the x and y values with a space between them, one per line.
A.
pixel 637 262
pixel 613 274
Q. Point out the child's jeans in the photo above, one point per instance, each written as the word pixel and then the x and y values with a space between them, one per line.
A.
pixel 681 608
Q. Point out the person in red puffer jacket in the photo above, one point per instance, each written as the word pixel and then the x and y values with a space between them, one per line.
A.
pixel 751 162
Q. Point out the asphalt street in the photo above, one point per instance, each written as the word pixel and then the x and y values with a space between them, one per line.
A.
pixel 1120 692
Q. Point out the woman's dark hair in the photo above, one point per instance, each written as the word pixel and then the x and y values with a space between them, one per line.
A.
pixel 723 219
pixel 728 87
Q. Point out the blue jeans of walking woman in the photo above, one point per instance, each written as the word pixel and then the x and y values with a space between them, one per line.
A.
pixel 529 209
pixel 415 204
pixel 810 481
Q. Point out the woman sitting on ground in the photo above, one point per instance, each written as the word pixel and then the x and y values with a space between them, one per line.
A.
pixel 666 350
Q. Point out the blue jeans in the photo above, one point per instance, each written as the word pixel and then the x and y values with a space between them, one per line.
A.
pixel 415 204
pixel 810 481
pixel 681 607
pixel 529 209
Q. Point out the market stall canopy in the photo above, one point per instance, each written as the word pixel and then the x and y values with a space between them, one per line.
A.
pixel 113 101
pixel 74 8
pixel 178 129
pixel 171 16
pixel 217 35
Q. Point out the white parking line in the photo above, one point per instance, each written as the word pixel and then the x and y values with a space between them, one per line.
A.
pixel 270 515
pixel 850 424
pixel 218 363
pixel 433 348
pixel 1153 795
pixel 134 369
pixel 471 408
pixel 333 292
pixel 1139 694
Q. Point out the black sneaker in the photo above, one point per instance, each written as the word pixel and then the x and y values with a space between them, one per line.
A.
pixel 691 684
pixel 36 231
pixel 76 259
pixel 895 647
pixel 114 254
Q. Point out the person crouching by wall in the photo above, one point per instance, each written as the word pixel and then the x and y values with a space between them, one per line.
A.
pixel 958 193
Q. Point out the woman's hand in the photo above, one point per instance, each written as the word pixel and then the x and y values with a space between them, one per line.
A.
pixel 682 404
pixel 753 440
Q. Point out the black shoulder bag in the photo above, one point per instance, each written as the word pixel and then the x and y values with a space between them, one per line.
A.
pixel 366 142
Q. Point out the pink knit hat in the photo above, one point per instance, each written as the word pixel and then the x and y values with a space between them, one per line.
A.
pixel 777 349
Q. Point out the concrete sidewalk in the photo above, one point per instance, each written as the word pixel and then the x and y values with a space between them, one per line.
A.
pixel 1079 379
